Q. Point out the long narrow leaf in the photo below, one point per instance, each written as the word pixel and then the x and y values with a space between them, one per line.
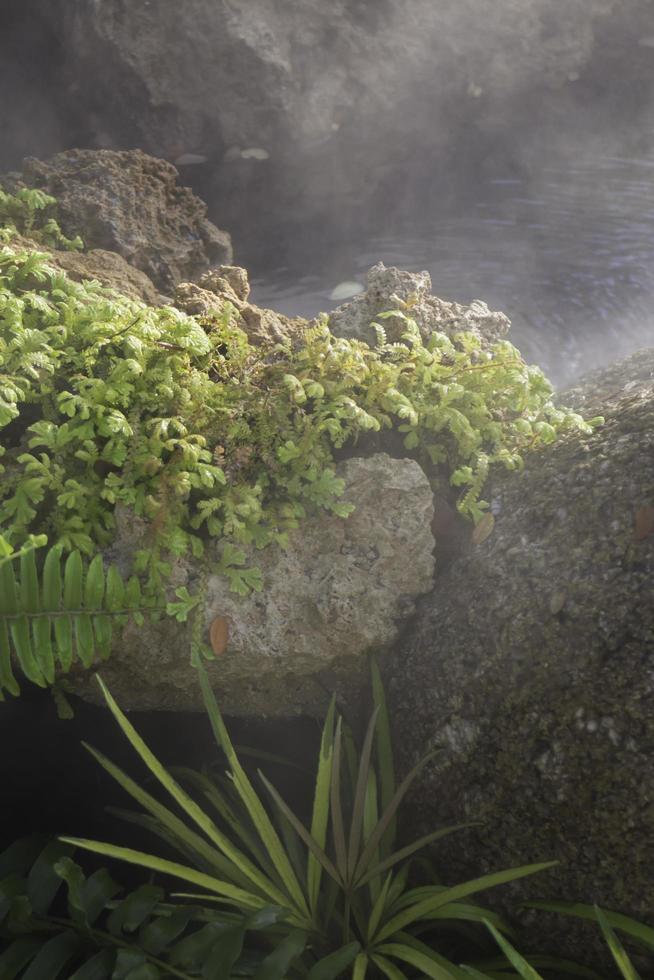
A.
pixel 424 908
pixel 525 970
pixel 420 961
pixel 406 852
pixel 378 908
pixel 384 749
pixel 190 806
pixel 618 952
pixel 302 832
pixel 320 814
pixel 387 967
pixel 255 808
pixel 386 818
pixel 169 820
pixel 636 930
pixel 356 823
pixel 336 809
pixel 236 896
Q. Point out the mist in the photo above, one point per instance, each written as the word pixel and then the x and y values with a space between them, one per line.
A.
pixel 507 148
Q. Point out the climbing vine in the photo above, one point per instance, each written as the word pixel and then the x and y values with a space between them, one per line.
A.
pixel 107 403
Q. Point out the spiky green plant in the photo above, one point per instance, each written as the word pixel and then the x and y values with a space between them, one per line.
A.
pixel 342 880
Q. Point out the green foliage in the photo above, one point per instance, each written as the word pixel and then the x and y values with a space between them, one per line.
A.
pixel 56 611
pixel 641 935
pixel 342 880
pixel 97 932
pixel 105 402
pixel 31 212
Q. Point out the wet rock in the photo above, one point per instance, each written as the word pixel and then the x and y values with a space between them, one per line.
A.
pixel 532 670
pixel 411 292
pixel 341 589
pixel 130 203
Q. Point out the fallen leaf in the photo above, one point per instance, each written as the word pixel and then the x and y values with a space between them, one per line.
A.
pixel 483 529
pixel 644 522
pixel 219 635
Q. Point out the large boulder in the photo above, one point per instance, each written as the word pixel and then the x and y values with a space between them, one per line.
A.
pixel 341 589
pixel 130 203
pixel 532 668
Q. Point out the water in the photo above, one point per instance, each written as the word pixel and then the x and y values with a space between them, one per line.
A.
pixel 567 254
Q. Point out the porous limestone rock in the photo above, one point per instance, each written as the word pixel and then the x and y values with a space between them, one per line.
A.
pixel 108 268
pixel 341 589
pixel 229 283
pixel 128 202
pixel 411 292
pixel 532 670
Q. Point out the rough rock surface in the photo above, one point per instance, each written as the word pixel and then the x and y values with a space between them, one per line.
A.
pixel 342 588
pixel 389 289
pixel 335 94
pixel 108 268
pixel 533 669
pixel 230 283
pixel 129 203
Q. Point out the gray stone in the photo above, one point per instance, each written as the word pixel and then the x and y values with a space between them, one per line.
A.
pixel 532 669
pixel 341 589
pixel 130 203
pixel 411 293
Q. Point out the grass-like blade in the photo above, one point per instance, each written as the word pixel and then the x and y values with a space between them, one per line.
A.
pixel 356 822
pixel 384 747
pixel 253 804
pixel 332 966
pixel 637 931
pixel 618 952
pixel 524 969
pixel 418 960
pixel 141 859
pixel 336 809
pixel 424 908
pixel 320 814
pixel 189 805
pixel 406 852
pixel 179 830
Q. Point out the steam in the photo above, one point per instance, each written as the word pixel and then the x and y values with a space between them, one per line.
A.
pixel 505 147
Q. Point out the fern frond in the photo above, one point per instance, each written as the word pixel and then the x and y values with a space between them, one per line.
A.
pixel 51 614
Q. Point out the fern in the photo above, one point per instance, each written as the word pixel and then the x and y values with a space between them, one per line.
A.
pixel 63 610
pixel 211 441
pixel 98 931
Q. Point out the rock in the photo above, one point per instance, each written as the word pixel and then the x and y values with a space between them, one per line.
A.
pixel 129 203
pixel 532 669
pixel 229 283
pixel 108 268
pixel 111 270
pixel 341 589
pixel 391 289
